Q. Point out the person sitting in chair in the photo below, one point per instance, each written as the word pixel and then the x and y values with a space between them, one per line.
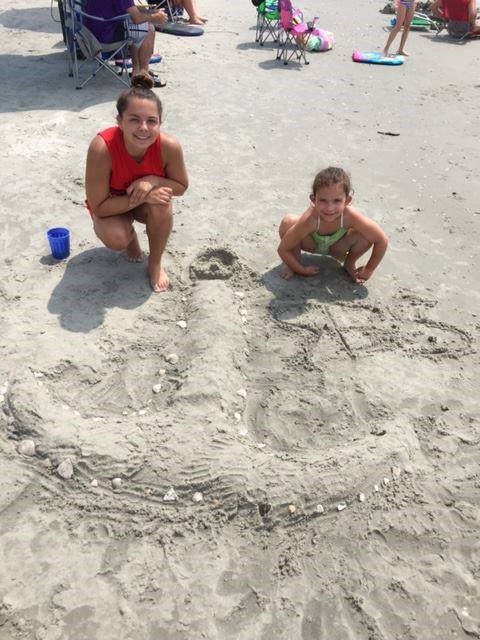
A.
pixel 460 16
pixel 141 29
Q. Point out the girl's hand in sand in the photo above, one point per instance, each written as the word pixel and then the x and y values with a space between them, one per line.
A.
pixel 138 191
pixel 361 275
pixel 310 271
pixel 160 195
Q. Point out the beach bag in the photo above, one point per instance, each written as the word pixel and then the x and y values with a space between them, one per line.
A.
pixel 88 43
pixel 320 40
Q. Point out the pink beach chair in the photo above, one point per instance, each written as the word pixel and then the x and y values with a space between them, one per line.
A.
pixel 294 33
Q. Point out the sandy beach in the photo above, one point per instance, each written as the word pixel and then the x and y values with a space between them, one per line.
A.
pixel 295 460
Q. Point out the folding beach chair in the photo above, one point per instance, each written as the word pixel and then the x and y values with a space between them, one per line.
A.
pixel 97 56
pixel 294 33
pixel 268 17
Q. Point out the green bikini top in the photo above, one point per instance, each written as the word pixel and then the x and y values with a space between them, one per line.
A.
pixel 323 243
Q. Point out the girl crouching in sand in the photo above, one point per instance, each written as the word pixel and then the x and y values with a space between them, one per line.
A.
pixel 330 226
pixel 132 173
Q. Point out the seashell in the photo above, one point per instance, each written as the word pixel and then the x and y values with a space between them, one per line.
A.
pixel 341 506
pixel 197 496
pixel 157 388
pixel 26 448
pixel 239 294
pixel 142 412
pixel 243 432
pixel 170 496
pixel 182 324
pixel 94 483
pixel 386 481
pixel 237 416
pixel 162 372
pixel 65 469
pixel 361 497
pixel 242 393
pixel 243 312
pixel 396 472
pixel 38 374
pixel 291 509
pixel 116 483
pixel 376 487
pixel 172 358
pixel 319 508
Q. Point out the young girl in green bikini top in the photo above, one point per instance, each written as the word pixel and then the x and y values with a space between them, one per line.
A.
pixel 331 226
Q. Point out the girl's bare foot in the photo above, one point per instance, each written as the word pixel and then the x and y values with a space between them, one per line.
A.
pixel 286 273
pixel 159 279
pixel 402 53
pixel 196 20
pixel 133 252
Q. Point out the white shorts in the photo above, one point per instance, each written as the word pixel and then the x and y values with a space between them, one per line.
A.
pixel 138 32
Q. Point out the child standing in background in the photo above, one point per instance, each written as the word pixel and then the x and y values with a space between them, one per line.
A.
pixel 405 11
pixel 330 226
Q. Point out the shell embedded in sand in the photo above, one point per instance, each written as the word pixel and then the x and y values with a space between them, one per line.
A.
pixel 172 358
pixel 162 372
pixel 361 497
pixel 386 481
pixel 157 388
pixel 242 393
pixel 320 508
pixel 117 483
pixel 396 472
pixel 341 506
pixel 291 509
pixel 26 448
pixel 237 416
pixel 182 324
pixel 197 496
pixel 170 496
pixel 94 483
pixel 376 487
pixel 65 469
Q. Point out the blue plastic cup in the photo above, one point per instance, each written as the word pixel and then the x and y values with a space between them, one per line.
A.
pixel 59 239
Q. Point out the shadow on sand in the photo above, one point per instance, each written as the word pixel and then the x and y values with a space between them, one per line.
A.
pixel 293 296
pixel 93 282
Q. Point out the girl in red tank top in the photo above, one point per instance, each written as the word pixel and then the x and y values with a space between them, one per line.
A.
pixel 132 174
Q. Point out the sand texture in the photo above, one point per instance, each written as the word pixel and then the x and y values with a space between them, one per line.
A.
pixel 294 460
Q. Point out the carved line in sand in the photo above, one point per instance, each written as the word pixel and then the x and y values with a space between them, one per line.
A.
pixel 201 435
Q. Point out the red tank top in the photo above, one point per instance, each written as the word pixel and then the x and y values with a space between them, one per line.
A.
pixel 126 169
pixel 456 10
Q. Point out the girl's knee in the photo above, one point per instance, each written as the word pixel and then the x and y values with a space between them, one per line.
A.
pixel 160 212
pixel 116 239
pixel 287 222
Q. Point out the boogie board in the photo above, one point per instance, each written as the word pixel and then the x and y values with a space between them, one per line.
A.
pixel 375 57
pixel 179 29
pixel 128 62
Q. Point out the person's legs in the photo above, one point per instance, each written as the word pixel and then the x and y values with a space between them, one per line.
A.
pixel 159 222
pixel 307 244
pixel 406 30
pixel 117 233
pixel 353 245
pixel 142 50
pixel 400 18
pixel 190 7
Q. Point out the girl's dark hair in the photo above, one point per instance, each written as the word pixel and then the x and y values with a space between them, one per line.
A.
pixel 331 176
pixel 141 87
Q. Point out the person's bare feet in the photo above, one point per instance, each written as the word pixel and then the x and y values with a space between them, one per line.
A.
pixel 159 279
pixel 133 253
pixel 196 21
pixel 402 53
pixel 286 273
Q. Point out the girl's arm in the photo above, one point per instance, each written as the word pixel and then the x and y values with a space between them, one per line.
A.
pixel 372 232
pixel 97 183
pixel 291 244
pixel 157 189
